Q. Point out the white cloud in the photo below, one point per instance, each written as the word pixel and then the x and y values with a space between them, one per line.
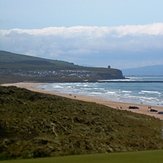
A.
pixel 152 29
pixel 73 43
pixel 69 32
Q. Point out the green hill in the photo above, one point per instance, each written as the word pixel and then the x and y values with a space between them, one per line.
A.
pixel 16 68
pixel 40 125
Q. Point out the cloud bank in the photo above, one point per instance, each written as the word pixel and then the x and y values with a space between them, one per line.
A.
pixel 121 46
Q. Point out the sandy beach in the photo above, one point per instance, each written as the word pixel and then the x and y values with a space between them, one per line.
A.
pixel 143 109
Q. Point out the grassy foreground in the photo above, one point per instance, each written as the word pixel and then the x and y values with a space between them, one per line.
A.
pixel 127 157
pixel 34 125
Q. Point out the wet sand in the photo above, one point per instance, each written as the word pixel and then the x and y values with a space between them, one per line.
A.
pixel 143 109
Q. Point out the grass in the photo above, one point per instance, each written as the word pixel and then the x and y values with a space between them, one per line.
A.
pixel 34 125
pixel 123 157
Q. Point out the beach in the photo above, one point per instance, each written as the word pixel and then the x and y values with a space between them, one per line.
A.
pixel 143 109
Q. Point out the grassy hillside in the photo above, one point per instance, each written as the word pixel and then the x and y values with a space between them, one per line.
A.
pixel 16 68
pixel 39 125
pixel 16 59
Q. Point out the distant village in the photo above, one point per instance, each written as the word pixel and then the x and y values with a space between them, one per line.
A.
pixel 58 73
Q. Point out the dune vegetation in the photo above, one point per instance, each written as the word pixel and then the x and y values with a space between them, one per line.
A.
pixel 34 125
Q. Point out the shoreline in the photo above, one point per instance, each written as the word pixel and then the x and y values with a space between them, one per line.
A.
pixel 143 108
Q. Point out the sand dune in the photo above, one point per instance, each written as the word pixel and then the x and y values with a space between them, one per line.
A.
pixel 143 109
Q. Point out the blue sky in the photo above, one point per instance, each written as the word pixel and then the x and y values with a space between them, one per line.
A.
pixel 122 34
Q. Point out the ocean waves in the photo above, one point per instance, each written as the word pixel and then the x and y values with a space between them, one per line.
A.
pixel 138 92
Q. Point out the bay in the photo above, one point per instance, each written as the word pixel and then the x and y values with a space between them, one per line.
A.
pixel 138 90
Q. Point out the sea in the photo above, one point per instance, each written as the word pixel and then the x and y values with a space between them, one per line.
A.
pixel 135 89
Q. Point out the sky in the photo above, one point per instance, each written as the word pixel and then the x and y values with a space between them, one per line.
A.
pixel 122 34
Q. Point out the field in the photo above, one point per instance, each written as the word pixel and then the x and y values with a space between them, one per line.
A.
pixel 126 157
